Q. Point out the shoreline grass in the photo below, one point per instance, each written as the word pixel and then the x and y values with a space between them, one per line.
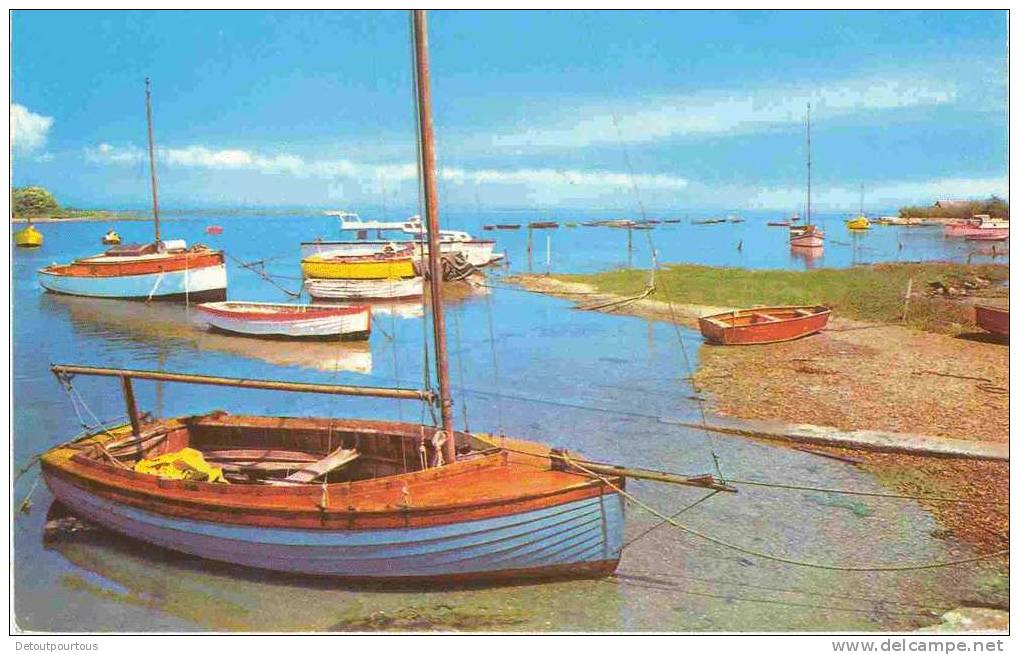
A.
pixel 870 293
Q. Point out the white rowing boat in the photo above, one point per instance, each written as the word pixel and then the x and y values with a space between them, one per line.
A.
pixel 259 319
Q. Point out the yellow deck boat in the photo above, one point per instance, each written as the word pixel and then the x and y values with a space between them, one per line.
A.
pixel 858 223
pixel 382 266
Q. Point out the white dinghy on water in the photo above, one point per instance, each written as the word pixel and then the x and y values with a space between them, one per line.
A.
pixel 283 321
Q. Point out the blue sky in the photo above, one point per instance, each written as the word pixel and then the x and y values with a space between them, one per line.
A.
pixel 532 109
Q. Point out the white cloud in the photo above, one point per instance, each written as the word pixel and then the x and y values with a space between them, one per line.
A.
pixel 891 194
pixel 541 181
pixel 724 112
pixel 28 130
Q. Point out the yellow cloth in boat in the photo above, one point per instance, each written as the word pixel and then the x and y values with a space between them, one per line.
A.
pixel 184 464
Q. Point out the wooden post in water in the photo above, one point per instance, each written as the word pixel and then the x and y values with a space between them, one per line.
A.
pixel 548 254
pixel 530 248
pixel 152 163
pixel 431 192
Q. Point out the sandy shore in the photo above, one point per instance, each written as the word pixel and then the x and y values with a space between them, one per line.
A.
pixel 861 376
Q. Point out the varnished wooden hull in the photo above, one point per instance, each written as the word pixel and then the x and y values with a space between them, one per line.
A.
pixel 579 538
pixel 755 326
pixel 502 515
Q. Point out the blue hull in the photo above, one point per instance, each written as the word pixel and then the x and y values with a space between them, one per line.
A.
pixel 580 534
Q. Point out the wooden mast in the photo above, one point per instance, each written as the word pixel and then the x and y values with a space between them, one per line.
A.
pixel 152 163
pixel 427 144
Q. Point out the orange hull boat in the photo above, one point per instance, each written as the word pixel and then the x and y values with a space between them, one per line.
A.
pixel 763 324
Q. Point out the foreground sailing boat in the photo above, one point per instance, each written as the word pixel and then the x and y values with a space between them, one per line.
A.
pixel 161 270
pixel 353 499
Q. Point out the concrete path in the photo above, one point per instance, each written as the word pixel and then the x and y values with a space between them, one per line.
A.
pixel 889 442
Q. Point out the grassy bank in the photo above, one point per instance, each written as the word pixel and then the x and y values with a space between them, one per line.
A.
pixel 870 293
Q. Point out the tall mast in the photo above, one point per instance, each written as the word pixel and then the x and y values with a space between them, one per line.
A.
pixel 427 143
pixel 861 200
pixel 808 163
pixel 152 160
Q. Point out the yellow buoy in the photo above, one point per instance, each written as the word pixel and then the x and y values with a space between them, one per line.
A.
pixel 28 237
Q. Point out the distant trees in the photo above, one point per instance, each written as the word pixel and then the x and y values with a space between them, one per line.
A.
pixel 994 206
pixel 33 201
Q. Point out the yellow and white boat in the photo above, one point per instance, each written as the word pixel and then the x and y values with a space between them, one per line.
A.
pixel 858 223
pixel 28 237
pixel 379 266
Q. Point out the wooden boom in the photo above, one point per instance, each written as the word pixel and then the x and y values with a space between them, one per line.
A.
pixel 337 389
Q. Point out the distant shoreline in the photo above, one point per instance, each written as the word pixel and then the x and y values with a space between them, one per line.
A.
pixel 92 218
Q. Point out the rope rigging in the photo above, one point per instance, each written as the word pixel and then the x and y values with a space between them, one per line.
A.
pixel 778 558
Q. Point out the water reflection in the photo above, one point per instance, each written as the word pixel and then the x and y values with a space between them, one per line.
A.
pixel 809 256
pixel 159 324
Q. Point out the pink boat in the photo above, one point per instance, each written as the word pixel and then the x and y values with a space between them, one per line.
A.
pixel 267 320
pixel 808 236
pixel 984 227
pixel 987 237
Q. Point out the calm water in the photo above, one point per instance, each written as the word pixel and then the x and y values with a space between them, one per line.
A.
pixel 614 382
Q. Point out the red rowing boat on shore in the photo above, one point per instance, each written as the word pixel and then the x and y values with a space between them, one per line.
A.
pixel 992 319
pixel 743 327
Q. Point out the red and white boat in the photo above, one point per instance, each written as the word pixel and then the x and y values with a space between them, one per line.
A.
pixel 992 319
pixel 161 270
pixel 743 327
pixel 258 319
pixel 165 270
pixel 982 226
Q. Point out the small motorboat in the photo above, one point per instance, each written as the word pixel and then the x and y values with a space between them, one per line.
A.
pixel 980 225
pixel 543 225
pixel 28 237
pixel 858 223
pixel 487 227
pixel 259 319
pixel 111 238
pixel 673 220
pixel 992 319
pixel 759 325
pixel 778 223
pixel 214 229
pixel 508 226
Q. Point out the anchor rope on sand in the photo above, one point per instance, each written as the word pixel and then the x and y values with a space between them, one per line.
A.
pixel 778 558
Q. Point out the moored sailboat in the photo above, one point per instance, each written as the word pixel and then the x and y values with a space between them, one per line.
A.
pixel 346 498
pixel 161 270
pixel 808 235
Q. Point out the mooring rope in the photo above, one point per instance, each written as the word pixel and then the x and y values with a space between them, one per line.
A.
pixel 778 558
pixel 256 268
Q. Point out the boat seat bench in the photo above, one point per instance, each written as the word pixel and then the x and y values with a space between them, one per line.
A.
pixel 767 317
